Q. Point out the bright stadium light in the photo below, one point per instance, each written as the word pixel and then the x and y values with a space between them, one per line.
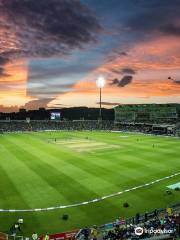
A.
pixel 100 84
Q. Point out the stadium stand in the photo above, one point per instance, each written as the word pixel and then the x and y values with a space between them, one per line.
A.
pixel 3 236
pixel 77 125
pixel 14 126
pixel 159 224
pixel 148 113
pixel 146 118
pixel 177 130
pixel 155 225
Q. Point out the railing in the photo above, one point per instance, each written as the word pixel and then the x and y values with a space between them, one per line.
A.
pixel 16 237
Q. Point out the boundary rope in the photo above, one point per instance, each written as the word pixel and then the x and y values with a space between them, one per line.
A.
pixel 93 200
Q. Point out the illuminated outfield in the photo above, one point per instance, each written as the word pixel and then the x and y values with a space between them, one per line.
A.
pixel 41 170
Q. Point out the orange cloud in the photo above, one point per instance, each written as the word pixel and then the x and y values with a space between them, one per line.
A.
pixel 13 84
pixel 153 61
pixel 158 54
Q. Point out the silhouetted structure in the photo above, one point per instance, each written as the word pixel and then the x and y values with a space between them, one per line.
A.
pixel 74 113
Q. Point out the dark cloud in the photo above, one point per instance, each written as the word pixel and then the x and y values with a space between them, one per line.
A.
pixel 128 71
pixel 47 89
pixel 40 70
pixel 174 80
pixel 109 103
pixel 123 82
pixel 2 73
pixel 116 71
pixel 171 29
pixel 177 81
pixel 35 104
pixel 45 28
pixel 114 54
pixel 3 61
pixel 155 16
pixel 57 106
pixel 124 71
pixel 115 81
pixel 123 53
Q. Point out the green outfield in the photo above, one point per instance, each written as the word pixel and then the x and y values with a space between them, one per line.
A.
pixel 46 169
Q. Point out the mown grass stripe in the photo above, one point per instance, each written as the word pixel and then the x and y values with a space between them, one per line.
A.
pixel 93 200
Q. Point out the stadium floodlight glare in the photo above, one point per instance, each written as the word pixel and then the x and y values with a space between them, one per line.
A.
pixel 100 84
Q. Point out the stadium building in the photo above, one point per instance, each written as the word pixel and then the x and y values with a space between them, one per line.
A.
pixel 147 113
pixel 154 118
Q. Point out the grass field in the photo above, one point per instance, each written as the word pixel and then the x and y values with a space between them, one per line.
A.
pixel 38 172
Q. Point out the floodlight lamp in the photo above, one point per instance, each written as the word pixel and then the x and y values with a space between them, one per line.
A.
pixel 100 82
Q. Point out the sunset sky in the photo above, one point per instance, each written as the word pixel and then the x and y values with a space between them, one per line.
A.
pixel 52 52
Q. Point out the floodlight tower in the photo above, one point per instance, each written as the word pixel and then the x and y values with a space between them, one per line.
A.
pixel 100 82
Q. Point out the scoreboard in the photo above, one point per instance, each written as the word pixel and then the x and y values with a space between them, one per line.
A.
pixel 55 116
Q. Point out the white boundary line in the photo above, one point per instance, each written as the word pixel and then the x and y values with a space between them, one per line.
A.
pixel 90 201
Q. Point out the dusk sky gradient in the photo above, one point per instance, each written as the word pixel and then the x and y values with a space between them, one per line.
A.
pixel 52 52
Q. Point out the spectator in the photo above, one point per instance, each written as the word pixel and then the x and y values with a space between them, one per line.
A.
pixel 46 237
pixel 86 233
pixel 34 236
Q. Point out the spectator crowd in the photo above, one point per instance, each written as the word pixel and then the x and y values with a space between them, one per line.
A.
pixel 14 126
pixel 156 226
pixel 107 125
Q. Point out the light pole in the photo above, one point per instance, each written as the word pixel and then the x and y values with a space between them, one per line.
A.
pixel 100 82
